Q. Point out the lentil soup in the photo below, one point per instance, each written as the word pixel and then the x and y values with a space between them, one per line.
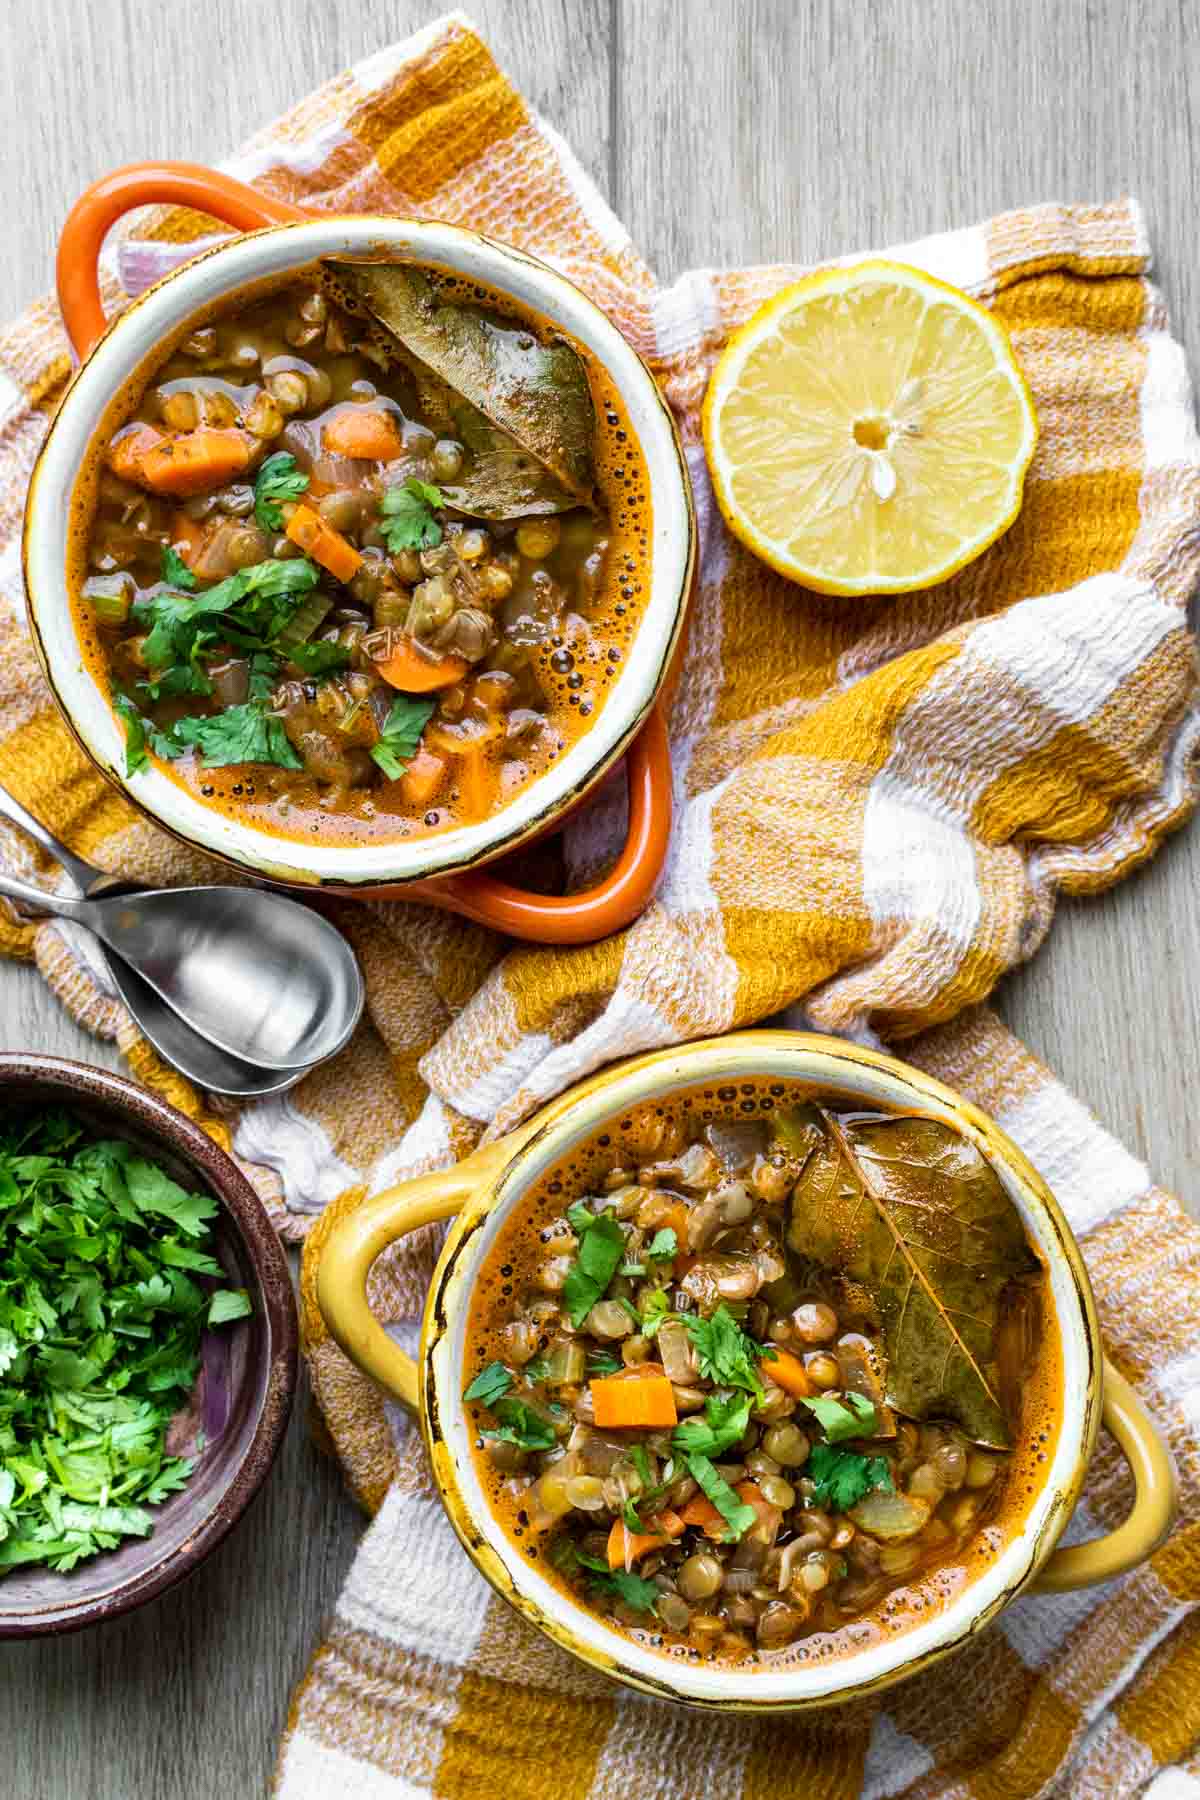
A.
pixel 364 555
pixel 762 1379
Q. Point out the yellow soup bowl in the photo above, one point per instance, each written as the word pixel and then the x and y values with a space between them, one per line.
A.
pixel 485 1189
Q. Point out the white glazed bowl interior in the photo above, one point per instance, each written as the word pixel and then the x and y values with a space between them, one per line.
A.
pixel 116 360
pixel 797 1683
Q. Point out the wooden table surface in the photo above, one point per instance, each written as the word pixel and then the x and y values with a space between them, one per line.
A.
pixel 721 131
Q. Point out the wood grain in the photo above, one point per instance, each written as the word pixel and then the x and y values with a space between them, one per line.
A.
pixel 735 130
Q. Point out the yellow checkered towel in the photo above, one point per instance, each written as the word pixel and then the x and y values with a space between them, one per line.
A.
pixel 877 805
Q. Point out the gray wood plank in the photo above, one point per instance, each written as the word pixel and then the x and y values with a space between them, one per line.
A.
pixel 759 130
pixel 186 1699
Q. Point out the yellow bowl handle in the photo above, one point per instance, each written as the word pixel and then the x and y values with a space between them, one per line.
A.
pixel 353 1246
pixel 1154 1505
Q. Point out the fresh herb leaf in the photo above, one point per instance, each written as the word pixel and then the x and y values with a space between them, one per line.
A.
pixel 489 1384
pixel 175 571
pixel 278 479
pixel 521 1425
pixel 641 1463
pixel 656 1308
pixel 401 734
pixel 663 1246
pixel 228 1304
pixel 846 1416
pixel 841 1478
pixel 135 733
pixel 640 1595
pixel 725 1422
pixel 536 1369
pixel 240 734
pixel 736 1513
pixel 599 1362
pixel 601 1246
pixel 407 513
pixel 727 1354
pixel 100 1332
pixel 319 658
pixel 251 607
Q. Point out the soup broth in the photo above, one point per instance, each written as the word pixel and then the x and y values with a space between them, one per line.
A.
pixel 706 1402
pixel 365 555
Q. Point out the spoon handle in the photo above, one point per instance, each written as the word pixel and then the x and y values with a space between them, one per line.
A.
pixel 39 901
pixel 81 873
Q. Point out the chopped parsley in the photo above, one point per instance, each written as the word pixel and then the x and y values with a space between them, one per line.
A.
pixel 727 1354
pixel 241 734
pixel 278 479
pixel 599 1362
pixel 601 1247
pixel 489 1384
pixel 617 1584
pixel 401 734
pixel 100 1330
pixel 521 1425
pixel 656 1308
pixel 846 1416
pixel 842 1478
pixel 407 516
pixel 663 1246
pixel 738 1516
pixel 725 1422
pixel 175 571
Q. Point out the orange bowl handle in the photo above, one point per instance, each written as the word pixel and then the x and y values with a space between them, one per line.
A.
pixel 595 912
pixel 145 184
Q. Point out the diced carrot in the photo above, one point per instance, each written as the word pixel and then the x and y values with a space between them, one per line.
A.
pixel 363 431
pixel 187 536
pixel 677 1221
pixel 701 1512
pixel 406 668
pixel 625 1546
pixel 787 1372
pixel 640 1397
pixel 478 779
pixel 318 539
pixel 125 456
pixel 195 460
pixel 422 778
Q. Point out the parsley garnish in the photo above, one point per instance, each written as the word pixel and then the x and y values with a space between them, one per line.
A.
pixel 847 1416
pixel 601 1245
pixel 725 1422
pixel 248 609
pixel 407 513
pixel 663 1246
pixel 655 1309
pixel 726 1353
pixel 278 479
pixel 842 1478
pixel 240 734
pixel 536 1369
pixel 489 1384
pixel 521 1425
pixel 401 734
pixel 100 1331
pixel 599 1362
pixel 736 1513
pixel 175 571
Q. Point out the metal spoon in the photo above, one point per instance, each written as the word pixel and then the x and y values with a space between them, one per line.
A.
pixel 259 976
pixel 182 1047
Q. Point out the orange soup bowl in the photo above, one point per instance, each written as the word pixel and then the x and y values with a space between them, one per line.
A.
pixel 482 1194
pixel 118 357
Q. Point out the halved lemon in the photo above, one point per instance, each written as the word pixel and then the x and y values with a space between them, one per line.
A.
pixel 868 430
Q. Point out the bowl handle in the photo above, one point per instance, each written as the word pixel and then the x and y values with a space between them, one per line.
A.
pixel 145 184
pixel 1154 1504
pixel 363 1234
pixel 597 911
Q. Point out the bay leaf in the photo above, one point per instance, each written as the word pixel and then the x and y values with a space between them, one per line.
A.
pixel 523 407
pixel 910 1211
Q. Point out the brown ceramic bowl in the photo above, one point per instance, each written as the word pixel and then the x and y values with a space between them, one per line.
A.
pixel 250 1366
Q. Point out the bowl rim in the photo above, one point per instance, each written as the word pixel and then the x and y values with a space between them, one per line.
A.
pixel 72 1080
pixel 125 354
pixel 835 1065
